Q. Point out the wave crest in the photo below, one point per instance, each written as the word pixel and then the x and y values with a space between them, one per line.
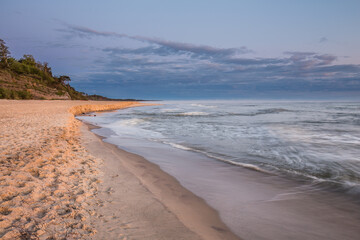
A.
pixel 193 114
pixel 131 122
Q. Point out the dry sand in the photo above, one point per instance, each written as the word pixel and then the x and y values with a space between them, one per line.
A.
pixel 56 183
pixel 47 179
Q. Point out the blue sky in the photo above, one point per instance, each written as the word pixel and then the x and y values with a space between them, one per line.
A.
pixel 229 49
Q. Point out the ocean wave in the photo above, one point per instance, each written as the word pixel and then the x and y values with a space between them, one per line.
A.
pixel 131 122
pixel 175 145
pixel 201 105
pixel 193 114
pixel 272 110
pixel 174 113
pixel 259 112
pixel 166 110
pixel 244 165
pixel 240 164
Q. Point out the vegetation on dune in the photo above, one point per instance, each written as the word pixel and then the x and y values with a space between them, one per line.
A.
pixel 14 94
pixel 4 53
pixel 28 79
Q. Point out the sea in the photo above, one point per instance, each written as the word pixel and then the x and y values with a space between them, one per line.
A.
pixel 262 151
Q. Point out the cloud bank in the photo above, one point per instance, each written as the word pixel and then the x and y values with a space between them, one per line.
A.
pixel 168 68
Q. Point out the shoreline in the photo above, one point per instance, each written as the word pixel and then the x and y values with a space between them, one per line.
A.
pixel 52 186
pixel 60 180
pixel 192 211
pixel 252 204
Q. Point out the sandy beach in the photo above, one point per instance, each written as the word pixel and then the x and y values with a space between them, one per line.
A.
pixel 60 181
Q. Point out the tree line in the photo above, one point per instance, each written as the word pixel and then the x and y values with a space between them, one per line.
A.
pixel 39 72
pixel 28 65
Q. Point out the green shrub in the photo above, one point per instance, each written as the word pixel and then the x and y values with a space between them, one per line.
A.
pixel 17 67
pixel 14 94
pixel 24 95
pixel 4 93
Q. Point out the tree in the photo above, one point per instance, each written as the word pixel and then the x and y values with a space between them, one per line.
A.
pixel 64 79
pixel 4 53
pixel 47 69
pixel 28 60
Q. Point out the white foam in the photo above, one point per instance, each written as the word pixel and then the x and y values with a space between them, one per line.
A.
pixel 244 165
pixel 194 114
pixel 131 122
pixel 170 110
pixel 129 127
pixel 175 145
pixel 201 105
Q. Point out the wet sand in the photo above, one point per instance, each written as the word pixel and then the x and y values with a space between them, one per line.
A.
pixel 151 201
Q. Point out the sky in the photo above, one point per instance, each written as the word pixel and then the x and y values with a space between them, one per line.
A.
pixel 213 49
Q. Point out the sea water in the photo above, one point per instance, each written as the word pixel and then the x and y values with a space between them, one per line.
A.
pixel 273 170
pixel 319 141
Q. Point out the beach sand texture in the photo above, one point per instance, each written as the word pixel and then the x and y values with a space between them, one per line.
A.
pixel 48 181
pixel 53 187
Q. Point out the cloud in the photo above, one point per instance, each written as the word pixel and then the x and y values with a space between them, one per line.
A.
pixel 296 71
pixel 199 50
pixel 325 59
pixel 306 60
pixel 85 32
pixel 149 50
pixel 323 40
pixel 253 61
pixel 168 67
